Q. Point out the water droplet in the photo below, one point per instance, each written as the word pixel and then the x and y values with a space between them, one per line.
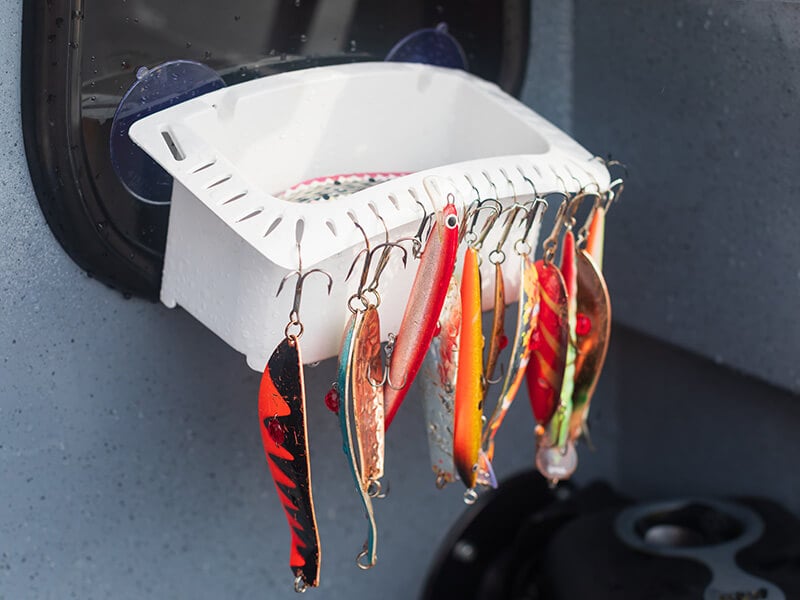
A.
pixel 141 72
pixel 188 44
pixel 353 46
pixel 297 3
pixel 125 65
pixel 93 99
pixel 303 37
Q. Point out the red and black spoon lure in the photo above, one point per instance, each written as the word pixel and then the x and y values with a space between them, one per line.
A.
pixel 282 413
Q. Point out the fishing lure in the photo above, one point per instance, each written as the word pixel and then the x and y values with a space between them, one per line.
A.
pixel 360 406
pixel 593 321
pixel 469 381
pixel 439 384
pixel 592 332
pixel 527 317
pixel 556 457
pixel 368 556
pixel 282 413
pixel 545 372
pixel 368 400
pixel 424 305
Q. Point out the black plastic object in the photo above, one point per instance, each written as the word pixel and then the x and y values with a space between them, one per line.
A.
pixel 527 542
pixel 81 56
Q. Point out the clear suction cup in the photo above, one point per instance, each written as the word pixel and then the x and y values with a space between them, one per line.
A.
pixel 154 90
pixel 432 46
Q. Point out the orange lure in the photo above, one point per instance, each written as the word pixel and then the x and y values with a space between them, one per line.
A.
pixel 469 381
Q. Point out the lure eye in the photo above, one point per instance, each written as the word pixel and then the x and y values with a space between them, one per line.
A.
pixel 451 221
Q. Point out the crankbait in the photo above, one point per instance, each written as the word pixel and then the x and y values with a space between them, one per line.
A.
pixel 424 305
pixel 469 380
pixel 439 385
pixel 282 413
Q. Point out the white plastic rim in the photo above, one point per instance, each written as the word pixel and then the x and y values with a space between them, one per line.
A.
pixel 231 238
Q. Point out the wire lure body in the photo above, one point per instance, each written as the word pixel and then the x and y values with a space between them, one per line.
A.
pixel 527 317
pixel 592 334
pixel 282 412
pixel 469 381
pixel 498 339
pixel 439 386
pixel 368 399
pixel 368 556
pixel 423 308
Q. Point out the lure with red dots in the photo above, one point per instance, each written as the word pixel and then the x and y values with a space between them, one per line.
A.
pixel 593 331
pixel 469 380
pixel 284 434
pixel 424 306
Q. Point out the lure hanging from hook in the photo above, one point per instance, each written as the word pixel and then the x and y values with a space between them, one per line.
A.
pixel 469 381
pixel 556 457
pixel 439 371
pixel 284 434
pixel 424 305
pixel 527 317
pixel 545 371
pixel 360 402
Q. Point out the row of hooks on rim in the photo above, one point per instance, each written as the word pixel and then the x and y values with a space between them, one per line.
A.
pixel 367 291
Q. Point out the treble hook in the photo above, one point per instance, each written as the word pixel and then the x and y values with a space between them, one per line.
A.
pixel 383 261
pixel 386 379
pixel 468 234
pixel 551 243
pixel 294 315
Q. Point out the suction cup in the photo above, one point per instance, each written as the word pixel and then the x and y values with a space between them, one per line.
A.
pixel 433 46
pixel 154 89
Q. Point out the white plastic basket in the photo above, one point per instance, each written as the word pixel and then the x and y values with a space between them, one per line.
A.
pixel 231 152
